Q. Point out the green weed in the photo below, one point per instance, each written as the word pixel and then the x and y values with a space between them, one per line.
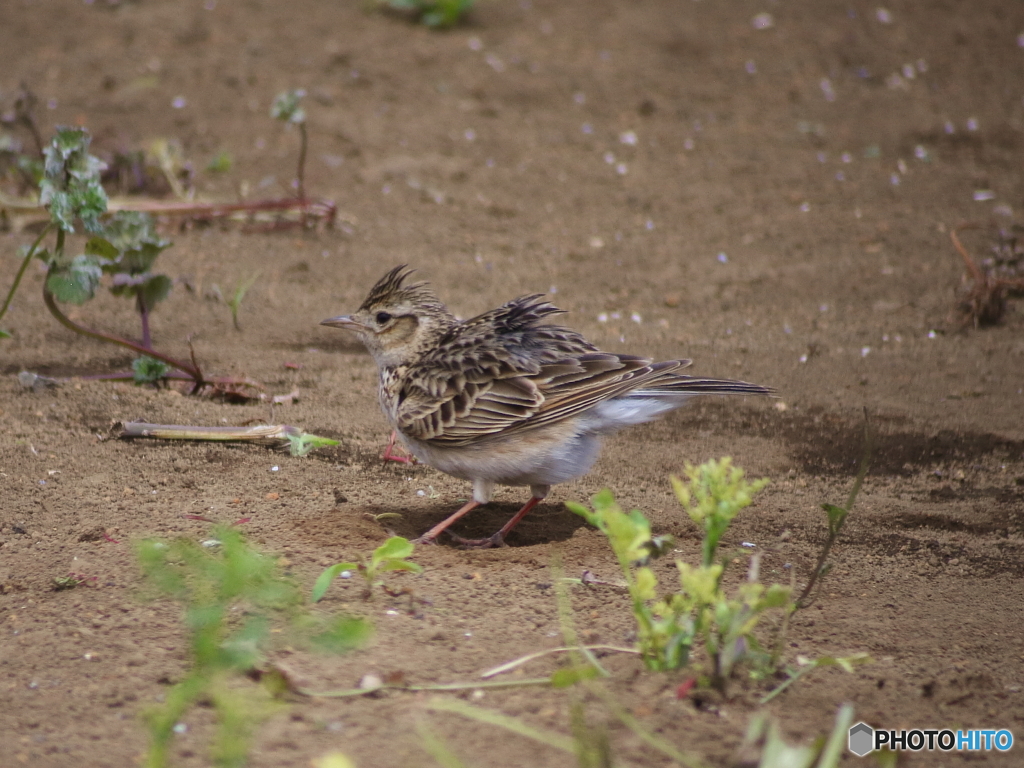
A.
pixel 235 302
pixel 286 109
pixel 701 612
pixel 232 594
pixel 836 518
pixel 764 739
pixel 123 246
pixel 220 163
pixel 392 555
pixel 432 13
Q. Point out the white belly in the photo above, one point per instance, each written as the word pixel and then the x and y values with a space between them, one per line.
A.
pixel 535 458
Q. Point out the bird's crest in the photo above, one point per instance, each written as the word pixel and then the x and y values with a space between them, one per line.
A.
pixel 390 290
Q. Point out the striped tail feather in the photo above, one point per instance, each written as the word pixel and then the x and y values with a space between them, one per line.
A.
pixel 692 385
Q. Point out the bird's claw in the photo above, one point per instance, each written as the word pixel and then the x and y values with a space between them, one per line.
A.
pixel 400 459
pixel 491 542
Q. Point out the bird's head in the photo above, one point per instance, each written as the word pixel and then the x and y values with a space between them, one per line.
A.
pixel 397 322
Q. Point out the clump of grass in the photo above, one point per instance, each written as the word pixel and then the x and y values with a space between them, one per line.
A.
pixel 392 555
pixel 701 611
pixel 232 595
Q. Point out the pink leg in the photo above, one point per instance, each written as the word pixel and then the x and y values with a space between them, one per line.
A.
pixel 389 452
pixel 430 536
pixel 498 539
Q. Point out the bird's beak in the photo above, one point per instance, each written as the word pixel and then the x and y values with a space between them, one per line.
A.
pixel 344 321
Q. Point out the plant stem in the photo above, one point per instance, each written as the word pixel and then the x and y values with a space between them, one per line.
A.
pixel 865 461
pixel 176 432
pixel 51 304
pixel 24 266
pixel 144 317
pixel 301 173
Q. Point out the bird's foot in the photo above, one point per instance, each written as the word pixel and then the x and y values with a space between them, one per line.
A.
pixel 400 459
pixel 426 540
pixel 491 542
pixel 392 449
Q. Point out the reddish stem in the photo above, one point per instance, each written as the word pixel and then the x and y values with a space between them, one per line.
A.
pixel 147 341
pixel 51 304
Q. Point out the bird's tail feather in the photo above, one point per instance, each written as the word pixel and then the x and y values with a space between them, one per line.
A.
pixel 691 385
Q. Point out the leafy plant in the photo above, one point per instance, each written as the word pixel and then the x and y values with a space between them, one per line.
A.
pixel 231 594
pixel 286 109
pixel 123 246
pixel 836 518
pixel 134 246
pixel 433 13
pixel 220 163
pixel 392 555
pixel 701 612
pixel 72 580
pixel 235 302
pixel 764 737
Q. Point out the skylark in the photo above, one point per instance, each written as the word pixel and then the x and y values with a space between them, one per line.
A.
pixel 506 397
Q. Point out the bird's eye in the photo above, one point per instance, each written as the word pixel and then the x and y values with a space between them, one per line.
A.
pixel 382 317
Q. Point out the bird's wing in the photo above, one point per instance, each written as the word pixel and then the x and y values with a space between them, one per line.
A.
pixel 503 372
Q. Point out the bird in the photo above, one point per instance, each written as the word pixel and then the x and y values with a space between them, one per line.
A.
pixel 506 397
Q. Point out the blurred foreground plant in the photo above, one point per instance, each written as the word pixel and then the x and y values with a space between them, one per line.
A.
pixel 231 594
pixel 432 13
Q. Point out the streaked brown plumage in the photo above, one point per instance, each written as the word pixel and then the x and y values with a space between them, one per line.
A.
pixel 505 397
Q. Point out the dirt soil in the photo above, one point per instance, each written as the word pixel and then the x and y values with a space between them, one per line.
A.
pixel 773 202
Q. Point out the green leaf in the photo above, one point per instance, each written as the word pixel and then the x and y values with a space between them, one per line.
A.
pixel 155 289
pixel 400 565
pixel 836 516
pixel 777 596
pixel 569 676
pixel 131 229
pixel 99 246
pixel 300 445
pixel 395 548
pixel 324 580
pixel 286 107
pixel 221 163
pixel 646 584
pixel 583 512
pixel 71 186
pixel 138 261
pixel 62 212
pixel 90 200
pixel 146 370
pixel 4 334
pixel 75 283
pixel 343 634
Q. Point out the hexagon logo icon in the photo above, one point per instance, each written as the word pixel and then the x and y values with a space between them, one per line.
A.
pixel 861 739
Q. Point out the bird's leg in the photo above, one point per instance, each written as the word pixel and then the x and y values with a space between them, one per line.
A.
pixel 498 539
pixel 389 452
pixel 430 536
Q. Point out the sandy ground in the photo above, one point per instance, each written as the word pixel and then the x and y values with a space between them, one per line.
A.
pixel 774 203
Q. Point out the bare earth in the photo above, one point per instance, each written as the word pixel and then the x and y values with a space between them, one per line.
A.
pixel 498 160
